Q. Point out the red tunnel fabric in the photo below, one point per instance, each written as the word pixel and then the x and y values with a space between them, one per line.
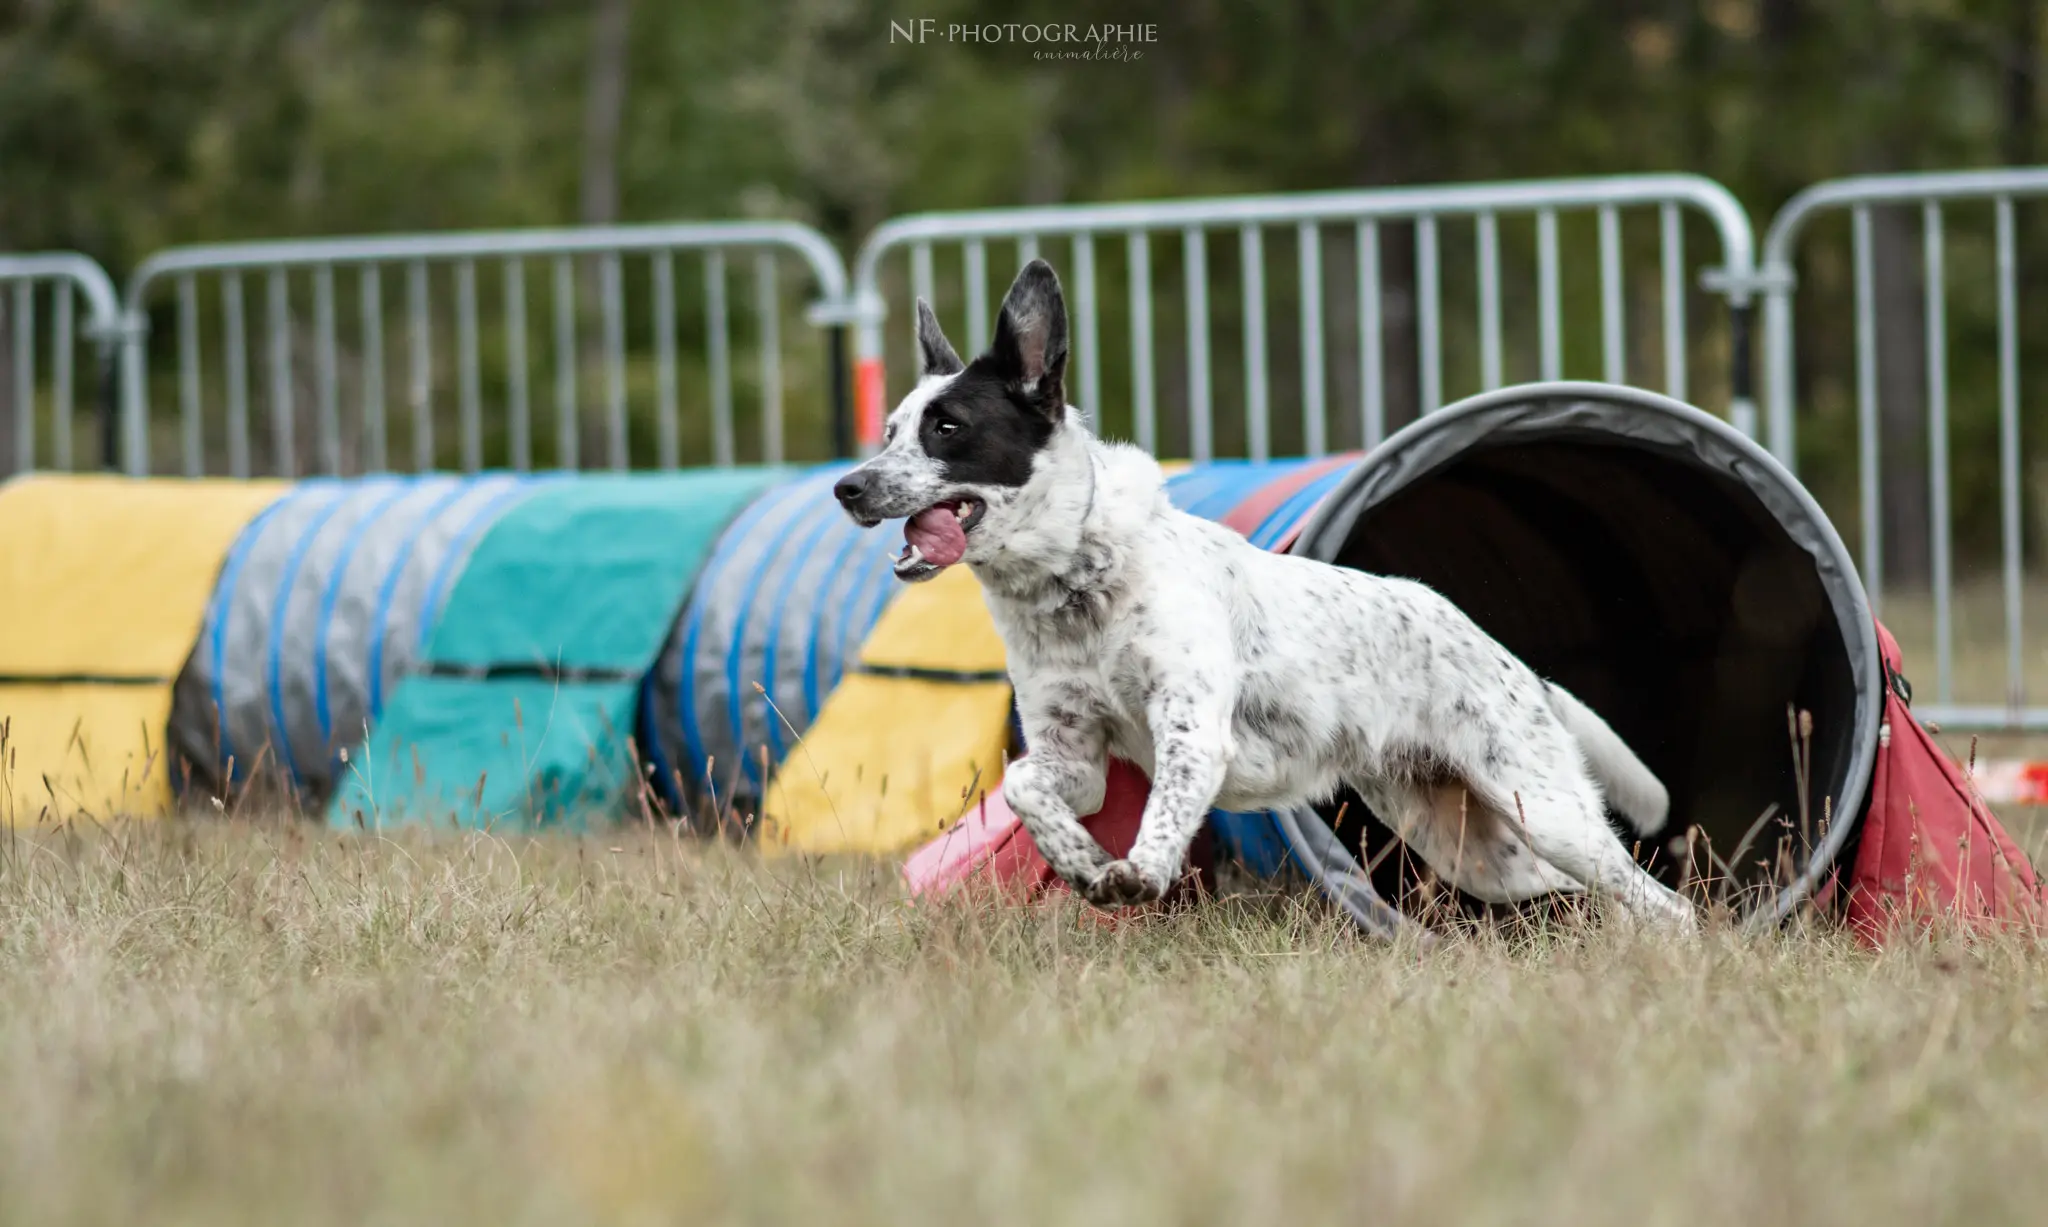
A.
pixel 990 845
pixel 1250 515
pixel 1930 850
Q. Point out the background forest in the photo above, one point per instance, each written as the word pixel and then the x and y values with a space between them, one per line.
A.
pixel 131 125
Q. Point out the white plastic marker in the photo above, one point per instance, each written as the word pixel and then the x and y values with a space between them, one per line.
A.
pixel 2012 781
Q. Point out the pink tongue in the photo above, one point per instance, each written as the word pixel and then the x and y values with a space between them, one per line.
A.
pixel 936 533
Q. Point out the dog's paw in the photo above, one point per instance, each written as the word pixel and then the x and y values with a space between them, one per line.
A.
pixel 1123 884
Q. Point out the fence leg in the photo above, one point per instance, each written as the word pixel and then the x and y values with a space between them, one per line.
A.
pixel 107 403
pixel 842 411
pixel 1741 371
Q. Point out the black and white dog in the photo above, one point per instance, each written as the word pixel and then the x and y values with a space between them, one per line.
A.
pixel 1232 676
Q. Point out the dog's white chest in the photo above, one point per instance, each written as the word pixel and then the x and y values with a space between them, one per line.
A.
pixel 1104 677
pixel 1122 699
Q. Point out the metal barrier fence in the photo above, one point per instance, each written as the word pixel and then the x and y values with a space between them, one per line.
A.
pixel 1428 209
pixel 221 416
pixel 1379 280
pixel 1928 194
pixel 62 278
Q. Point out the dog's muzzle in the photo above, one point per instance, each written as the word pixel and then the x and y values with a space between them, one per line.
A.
pixel 853 492
pixel 934 536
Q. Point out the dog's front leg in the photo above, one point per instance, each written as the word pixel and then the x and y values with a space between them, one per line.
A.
pixel 1062 777
pixel 1190 754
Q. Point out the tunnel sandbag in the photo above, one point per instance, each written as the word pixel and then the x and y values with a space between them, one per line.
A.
pixel 520 712
pixel 920 723
pixel 791 590
pixel 989 847
pixel 321 607
pixel 1929 852
pixel 103 585
pixel 1671 574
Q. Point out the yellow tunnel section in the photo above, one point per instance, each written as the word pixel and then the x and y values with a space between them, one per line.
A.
pixel 104 582
pixel 915 729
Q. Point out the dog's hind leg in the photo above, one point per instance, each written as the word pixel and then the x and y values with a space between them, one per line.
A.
pixel 1466 841
pixel 1562 820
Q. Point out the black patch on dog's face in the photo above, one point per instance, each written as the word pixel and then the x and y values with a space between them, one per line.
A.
pixel 979 432
pixel 985 427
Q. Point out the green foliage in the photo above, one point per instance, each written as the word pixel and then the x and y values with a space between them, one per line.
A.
pixel 130 125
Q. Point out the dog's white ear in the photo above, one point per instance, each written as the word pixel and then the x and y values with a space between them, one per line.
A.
pixel 934 351
pixel 1030 348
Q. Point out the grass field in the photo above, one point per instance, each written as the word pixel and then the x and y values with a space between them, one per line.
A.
pixel 241 1021
pixel 229 1022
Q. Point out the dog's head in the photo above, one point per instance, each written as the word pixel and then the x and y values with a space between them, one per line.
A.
pixel 962 446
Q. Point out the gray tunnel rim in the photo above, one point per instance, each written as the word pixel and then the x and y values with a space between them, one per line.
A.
pixel 1527 412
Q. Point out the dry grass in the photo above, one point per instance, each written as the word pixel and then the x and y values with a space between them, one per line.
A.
pixel 255 1023
pixel 260 1022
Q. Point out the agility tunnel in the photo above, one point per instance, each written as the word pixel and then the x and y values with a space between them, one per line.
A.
pixel 323 604
pixel 1666 570
pixel 1669 572
pixel 103 584
pixel 521 709
pixel 789 594
pixel 1663 568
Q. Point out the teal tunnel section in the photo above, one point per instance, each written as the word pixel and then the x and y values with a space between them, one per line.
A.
pixel 788 595
pixel 522 707
pixel 322 604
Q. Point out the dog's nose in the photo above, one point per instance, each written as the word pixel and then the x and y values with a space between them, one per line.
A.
pixel 850 488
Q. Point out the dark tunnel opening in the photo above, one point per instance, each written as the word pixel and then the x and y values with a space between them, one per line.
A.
pixel 1653 566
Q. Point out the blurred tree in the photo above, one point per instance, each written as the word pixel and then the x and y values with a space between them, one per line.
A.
pixel 129 125
pixel 126 124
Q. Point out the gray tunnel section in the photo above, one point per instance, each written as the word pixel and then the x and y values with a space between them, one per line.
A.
pixel 323 603
pixel 788 597
pixel 1665 569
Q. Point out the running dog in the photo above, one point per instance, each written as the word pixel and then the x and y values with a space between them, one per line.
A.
pixel 1232 676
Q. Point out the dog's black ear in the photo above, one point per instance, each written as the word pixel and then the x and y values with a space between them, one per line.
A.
pixel 1030 349
pixel 934 351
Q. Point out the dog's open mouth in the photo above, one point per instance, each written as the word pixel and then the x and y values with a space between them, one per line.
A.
pixel 936 537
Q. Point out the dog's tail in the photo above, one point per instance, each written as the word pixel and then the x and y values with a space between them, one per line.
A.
pixel 1631 789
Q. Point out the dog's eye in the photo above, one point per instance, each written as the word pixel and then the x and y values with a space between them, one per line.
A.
pixel 947 429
